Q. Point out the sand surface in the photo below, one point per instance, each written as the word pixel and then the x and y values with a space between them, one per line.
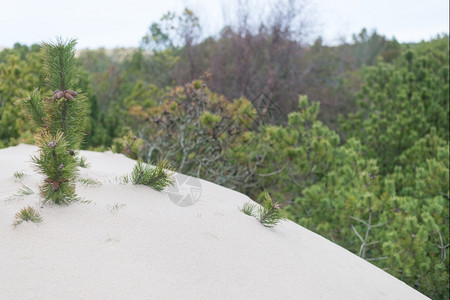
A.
pixel 131 242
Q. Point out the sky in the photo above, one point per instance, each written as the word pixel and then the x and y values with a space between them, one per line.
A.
pixel 122 23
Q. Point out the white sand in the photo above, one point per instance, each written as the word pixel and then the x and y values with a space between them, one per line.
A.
pixel 149 248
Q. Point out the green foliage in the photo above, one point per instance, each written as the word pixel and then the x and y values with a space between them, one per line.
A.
pixel 269 214
pixel 389 192
pixel 145 95
pixel 82 162
pixel 59 64
pixel 27 214
pixel 378 187
pixel 24 191
pixel 249 209
pixel 60 121
pixel 34 106
pixel 18 175
pixel 287 158
pixel 196 130
pixel 19 72
pixel 401 102
pixel 210 120
pixel 128 144
pixel 402 122
pixel 157 177
pixel 400 224
pixel 98 131
pixel 89 181
pixel 59 166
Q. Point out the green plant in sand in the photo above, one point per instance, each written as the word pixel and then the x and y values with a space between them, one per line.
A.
pixel 157 177
pixel 60 122
pixel 19 175
pixel 24 191
pixel 27 214
pixel 269 214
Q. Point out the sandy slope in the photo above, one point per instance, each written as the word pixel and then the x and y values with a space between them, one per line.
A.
pixel 148 247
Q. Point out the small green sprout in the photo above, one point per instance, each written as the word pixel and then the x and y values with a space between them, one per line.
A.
pixel 249 209
pixel 269 214
pixel 24 191
pixel 116 207
pixel 157 177
pixel 82 162
pixel 89 181
pixel 27 214
pixel 19 175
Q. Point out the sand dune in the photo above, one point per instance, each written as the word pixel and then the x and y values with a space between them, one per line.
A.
pixel 131 242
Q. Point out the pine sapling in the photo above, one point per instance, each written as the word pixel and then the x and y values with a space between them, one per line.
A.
pixel 157 177
pixel 269 214
pixel 60 121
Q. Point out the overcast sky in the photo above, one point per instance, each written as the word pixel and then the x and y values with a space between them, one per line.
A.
pixel 122 23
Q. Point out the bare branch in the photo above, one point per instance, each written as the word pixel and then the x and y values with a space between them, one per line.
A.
pixel 357 234
pixel 359 220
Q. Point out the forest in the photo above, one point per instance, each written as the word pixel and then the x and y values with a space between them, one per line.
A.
pixel 352 140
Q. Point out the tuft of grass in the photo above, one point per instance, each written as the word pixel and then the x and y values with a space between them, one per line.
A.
pixel 89 181
pixel 27 214
pixel 24 191
pixel 269 214
pixel 83 201
pixel 82 162
pixel 19 175
pixel 157 177
pixel 125 179
pixel 116 207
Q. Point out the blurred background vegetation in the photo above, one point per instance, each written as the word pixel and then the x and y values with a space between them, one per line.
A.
pixel 352 139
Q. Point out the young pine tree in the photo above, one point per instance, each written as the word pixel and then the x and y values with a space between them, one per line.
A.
pixel 60 121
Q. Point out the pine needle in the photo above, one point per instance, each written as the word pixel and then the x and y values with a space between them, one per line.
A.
pixel 89 181
pixel 83 162
pixel 19 175
pixel 27 214
pixel 59 62
pixel 24 191
pixel 157 177
pixel 59 168
pixel 269 214
pixel 249 209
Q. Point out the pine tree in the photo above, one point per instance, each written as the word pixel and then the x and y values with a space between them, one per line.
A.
pixel 60 121
pixel 402 102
